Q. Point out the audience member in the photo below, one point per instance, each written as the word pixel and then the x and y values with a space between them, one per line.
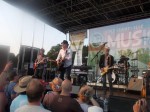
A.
pixel 35 93
pixel 56 89
pixel 95 109
pixel 9 89
pixel 3 82
pixel 140 106
pixel 63 102
pixel 20 88
pixel 85 97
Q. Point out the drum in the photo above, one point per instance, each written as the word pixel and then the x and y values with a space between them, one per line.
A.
pixel 113 75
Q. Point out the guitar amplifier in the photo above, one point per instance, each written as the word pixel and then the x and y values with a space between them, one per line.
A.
pixel 135 84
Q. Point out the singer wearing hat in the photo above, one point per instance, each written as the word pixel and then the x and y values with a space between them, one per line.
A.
pixel 64 60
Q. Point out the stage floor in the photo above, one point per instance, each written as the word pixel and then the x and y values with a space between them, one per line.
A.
pixel 118 90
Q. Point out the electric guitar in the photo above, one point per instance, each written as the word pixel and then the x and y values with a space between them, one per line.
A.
pixel 60 64
pixel 105 70
pixel 36 64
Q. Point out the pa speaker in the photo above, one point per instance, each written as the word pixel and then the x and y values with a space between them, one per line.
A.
pixel 4 54
pixel 27 55
pixel 135 84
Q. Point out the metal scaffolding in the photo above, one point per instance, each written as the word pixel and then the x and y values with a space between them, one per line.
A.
pixel 72 15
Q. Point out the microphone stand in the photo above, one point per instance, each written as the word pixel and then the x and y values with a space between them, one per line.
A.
pixel 96 69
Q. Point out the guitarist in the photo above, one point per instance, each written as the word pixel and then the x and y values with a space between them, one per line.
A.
pixel 106 60
pixel 64 60
pixel 39 65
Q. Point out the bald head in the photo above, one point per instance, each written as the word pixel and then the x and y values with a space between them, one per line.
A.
pixel 66 86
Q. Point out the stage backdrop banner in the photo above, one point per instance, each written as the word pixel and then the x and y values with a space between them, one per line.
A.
pixel 77 41
pixel 131 39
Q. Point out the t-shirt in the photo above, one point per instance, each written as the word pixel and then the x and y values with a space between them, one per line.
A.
pixel 84 107
pixel 31 108
pixel 95 109
pixel 68 56
pixel 9 90
pixel 19 101
pixel 65 104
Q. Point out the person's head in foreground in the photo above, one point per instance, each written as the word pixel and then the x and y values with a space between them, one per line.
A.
pixel 22 84
pixel 35 91
pixel 56 84
pixel 85 93
pixel 66 87
pixel 140 106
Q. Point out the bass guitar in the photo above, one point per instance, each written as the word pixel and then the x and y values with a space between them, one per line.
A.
pixel 44 59
pixel 105 70
pixel 38 63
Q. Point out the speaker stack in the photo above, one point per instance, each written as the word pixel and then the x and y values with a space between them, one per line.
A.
pixel 4 55
pixel 27 56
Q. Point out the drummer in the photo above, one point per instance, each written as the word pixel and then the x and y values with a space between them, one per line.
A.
pixel 124 64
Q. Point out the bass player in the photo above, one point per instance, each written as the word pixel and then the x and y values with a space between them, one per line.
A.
pixel 64 60
pixel 106 61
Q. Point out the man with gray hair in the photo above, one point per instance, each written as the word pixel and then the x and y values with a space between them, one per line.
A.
pixel 106 61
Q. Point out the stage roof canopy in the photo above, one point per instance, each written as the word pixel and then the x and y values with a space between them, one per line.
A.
pixel 72 15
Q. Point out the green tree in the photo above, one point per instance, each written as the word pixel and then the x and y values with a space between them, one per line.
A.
pixel 52 54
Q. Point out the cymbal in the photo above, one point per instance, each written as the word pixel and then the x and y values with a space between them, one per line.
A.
pixel 124 57
pixel 134 59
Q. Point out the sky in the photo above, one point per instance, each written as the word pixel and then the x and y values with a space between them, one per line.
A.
pixel 18 28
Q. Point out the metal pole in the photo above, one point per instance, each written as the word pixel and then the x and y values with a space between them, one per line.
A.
pixel 21 34
pixel 43 36
pixel 33 41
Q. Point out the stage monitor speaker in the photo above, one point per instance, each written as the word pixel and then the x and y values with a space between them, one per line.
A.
pixel 135 84
pixel 4 54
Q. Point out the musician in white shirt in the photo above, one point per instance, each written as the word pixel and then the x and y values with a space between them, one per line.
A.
pixel 64 60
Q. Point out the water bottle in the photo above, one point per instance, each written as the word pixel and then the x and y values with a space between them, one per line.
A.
pixel 106 105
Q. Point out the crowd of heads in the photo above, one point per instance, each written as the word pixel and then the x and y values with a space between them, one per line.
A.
pixel 35 89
